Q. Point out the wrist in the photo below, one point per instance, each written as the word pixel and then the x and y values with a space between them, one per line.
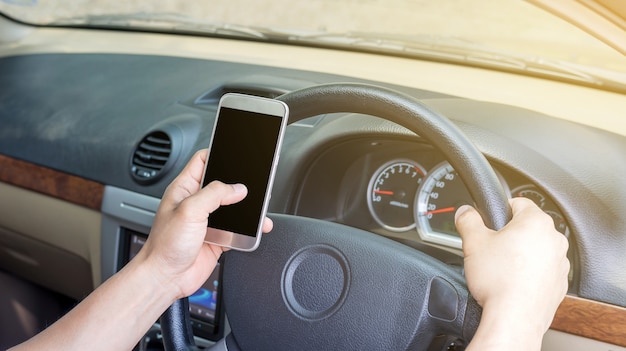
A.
pixel 152 279
pixel 507 326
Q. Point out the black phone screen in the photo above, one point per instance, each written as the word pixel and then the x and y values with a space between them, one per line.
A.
pixel 242 151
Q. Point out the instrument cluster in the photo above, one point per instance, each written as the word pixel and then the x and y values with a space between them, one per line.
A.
pixel 404 196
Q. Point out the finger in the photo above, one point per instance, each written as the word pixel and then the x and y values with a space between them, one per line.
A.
pixel 470 225
pixel 268 225
pixel 188 181
pixel 195 167
pixel 200 205
pixel 520 205
pixel 527 215
pixel 191 176
pixel 217 194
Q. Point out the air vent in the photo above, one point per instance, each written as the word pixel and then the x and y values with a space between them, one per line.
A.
pixel 151 156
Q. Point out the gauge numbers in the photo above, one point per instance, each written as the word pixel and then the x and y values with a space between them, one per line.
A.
pixel 391 193
pixel 442 193
pixel 401 197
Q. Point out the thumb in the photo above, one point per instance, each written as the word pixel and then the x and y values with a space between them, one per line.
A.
pixel 470 226
pixel 214 195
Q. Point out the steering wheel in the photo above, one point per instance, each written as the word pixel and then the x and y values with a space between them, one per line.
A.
pixel 317 285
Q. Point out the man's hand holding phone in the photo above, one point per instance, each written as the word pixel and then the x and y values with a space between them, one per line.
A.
pixel 185 259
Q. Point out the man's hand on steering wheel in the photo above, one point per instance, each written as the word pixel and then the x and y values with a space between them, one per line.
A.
pixel 518 275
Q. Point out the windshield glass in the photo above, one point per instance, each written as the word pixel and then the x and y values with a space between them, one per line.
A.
pixel 504 33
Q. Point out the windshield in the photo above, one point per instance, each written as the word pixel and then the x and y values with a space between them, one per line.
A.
pixel 501 33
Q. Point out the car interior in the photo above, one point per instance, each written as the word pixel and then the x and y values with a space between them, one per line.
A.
pixel 380 150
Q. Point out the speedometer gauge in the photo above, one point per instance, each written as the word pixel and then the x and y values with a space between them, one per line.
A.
pixel 437 200
pixel 441 194
pixel 391 193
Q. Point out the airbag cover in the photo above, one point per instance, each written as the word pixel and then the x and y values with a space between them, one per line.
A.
pixel 316 285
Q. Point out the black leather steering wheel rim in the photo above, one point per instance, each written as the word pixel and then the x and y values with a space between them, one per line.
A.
pixel 473 168
pixel 483 184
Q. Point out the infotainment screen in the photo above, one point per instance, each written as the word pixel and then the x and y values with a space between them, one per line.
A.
pixel 204 304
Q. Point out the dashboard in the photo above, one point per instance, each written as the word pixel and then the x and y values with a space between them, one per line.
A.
pixel 70 132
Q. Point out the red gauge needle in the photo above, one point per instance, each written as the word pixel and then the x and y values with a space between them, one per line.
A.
pixel 441 210
pixel 383 192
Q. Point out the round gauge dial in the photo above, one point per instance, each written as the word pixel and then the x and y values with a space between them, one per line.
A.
pixel 533 193
pixel 391 194
pixel 440 195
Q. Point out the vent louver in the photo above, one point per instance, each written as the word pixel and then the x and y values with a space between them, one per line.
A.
pixel 151 156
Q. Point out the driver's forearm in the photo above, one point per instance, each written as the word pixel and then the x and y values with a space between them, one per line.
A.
pixel 112 317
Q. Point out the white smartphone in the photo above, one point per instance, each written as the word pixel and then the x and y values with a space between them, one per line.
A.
pixel 244 148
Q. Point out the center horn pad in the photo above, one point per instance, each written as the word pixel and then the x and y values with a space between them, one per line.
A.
pixel 315 282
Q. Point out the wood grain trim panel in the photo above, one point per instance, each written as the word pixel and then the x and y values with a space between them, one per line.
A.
pixel 592 320
pixel 51 182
